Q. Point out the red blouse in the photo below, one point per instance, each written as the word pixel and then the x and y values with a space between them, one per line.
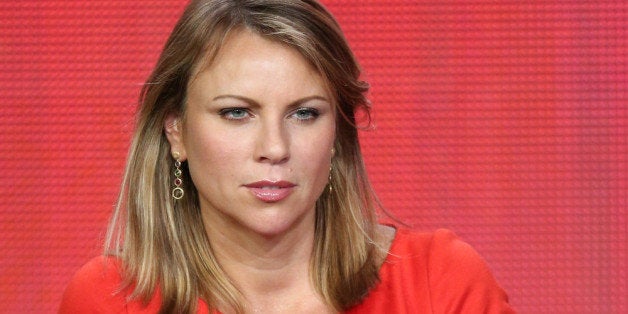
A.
pixel 424 273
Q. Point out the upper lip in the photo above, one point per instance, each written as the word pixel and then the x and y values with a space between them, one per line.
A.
pixel 270 184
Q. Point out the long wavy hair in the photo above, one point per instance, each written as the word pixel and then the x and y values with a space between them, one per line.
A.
pixel 162 243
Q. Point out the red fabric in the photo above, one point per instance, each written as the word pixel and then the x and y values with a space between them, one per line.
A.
pixel 95 288
pixel 424 273
pixel 434 273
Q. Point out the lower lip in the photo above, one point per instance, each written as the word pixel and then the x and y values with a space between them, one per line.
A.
pixel 271 195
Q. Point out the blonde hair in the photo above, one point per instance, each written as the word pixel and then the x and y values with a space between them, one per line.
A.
pixel 163 244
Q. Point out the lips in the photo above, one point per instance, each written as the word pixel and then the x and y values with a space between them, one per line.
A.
pixel 270 191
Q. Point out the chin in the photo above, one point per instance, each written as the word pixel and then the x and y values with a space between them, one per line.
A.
pixel 274 224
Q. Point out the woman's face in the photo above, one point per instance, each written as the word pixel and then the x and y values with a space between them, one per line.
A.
pixel 258 134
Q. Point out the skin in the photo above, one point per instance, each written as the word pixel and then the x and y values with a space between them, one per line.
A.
pixel 260 111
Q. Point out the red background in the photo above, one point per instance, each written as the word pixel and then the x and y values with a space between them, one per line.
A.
pixel 504 121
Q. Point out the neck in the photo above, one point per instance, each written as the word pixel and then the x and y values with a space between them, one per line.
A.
pixel 262 264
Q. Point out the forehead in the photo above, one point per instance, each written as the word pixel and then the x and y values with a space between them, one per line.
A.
pixel 247 60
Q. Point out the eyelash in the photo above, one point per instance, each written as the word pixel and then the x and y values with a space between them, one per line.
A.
pixel 227 113
pixel 313 114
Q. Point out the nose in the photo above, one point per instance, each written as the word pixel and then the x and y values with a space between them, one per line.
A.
pixel 272 142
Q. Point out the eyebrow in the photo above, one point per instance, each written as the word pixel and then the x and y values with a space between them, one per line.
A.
pixel 252 102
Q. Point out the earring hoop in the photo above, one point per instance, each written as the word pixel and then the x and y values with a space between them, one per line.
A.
pixel 330 186
pixel 177 191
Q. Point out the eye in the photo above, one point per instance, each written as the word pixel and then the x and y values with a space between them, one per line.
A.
pixel 306 114
pixel 234 113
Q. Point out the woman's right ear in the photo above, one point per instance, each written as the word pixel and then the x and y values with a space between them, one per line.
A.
pixel 174 134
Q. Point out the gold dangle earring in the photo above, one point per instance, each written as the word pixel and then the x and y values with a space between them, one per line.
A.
pixel 333 152
pixel 330 187
pixel 177 191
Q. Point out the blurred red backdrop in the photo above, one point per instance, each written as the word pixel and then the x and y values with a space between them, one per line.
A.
pixel 505 121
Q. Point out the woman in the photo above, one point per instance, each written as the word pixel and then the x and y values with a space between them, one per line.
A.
pixel 245 189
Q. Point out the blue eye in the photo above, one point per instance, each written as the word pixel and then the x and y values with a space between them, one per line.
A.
pixel 234 113
pixel 305 114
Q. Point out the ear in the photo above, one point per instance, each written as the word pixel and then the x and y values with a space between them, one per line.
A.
pixel 174 134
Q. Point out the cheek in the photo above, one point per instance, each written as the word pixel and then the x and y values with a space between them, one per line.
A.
pixel 315 155
pixel 213 155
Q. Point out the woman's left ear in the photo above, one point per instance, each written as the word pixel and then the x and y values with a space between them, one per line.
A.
pixel 172 128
